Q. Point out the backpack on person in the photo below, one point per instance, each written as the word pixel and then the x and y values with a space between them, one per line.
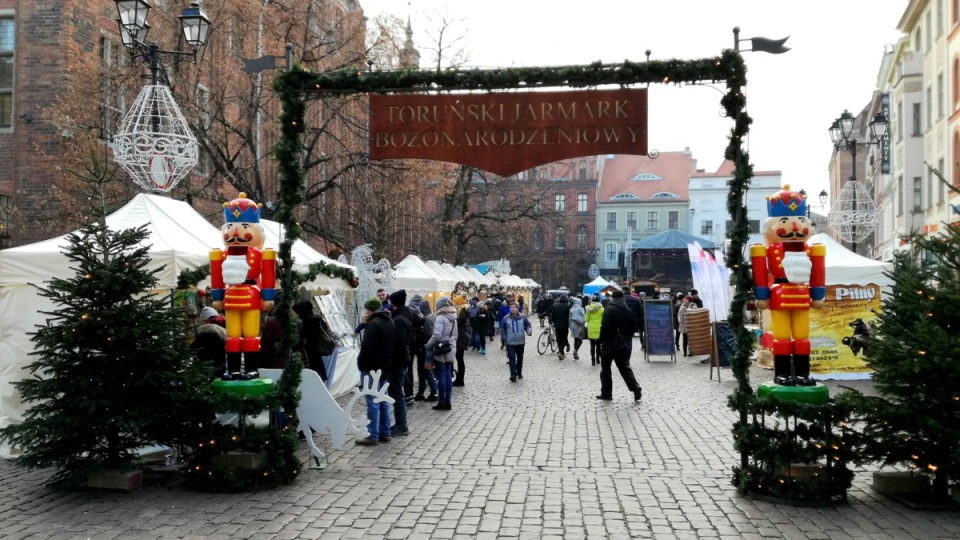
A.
pixel 418 334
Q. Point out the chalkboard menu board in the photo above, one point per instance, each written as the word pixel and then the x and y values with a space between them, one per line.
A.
pixel 658 328
pixel 725 344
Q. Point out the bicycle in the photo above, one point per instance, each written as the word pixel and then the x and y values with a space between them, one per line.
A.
pixel 547 340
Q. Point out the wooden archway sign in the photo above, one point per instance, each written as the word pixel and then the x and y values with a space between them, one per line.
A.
pixel 296 87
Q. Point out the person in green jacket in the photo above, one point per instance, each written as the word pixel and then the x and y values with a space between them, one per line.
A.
pixel 594 313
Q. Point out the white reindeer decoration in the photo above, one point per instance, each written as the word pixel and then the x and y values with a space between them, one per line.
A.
pixel 319 412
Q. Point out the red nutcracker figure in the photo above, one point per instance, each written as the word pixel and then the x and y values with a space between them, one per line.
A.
pixel 242 278
pixel 789 279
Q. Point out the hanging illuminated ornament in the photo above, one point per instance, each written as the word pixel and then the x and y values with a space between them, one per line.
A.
pixel 154 144
pixel 854 213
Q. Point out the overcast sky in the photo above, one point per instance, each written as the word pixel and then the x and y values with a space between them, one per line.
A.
pixel 793 98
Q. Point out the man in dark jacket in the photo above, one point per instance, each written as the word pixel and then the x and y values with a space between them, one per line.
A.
pixel 560 317
pixel 400 360
pixel 376 350
pixel 311 343
pixel 618 325
pixel 635 305
pixel 544 304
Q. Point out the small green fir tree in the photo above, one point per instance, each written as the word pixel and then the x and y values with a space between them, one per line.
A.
pixel 113 371
pixel 916 361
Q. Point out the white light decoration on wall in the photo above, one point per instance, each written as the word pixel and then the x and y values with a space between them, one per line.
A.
pixel 154 144
pixel 854 213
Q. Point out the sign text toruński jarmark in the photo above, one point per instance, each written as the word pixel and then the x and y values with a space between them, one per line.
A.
pixel 506 133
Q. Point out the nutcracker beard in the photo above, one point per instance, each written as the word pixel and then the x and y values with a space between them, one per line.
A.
pixel 235 269
pixel 797 266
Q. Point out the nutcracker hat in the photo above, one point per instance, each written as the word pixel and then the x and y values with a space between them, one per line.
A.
pixel 786 203
pixel 241 210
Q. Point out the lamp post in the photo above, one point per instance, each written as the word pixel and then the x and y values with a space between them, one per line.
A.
pixel 823 202
pixel 134 29
pixel 154 144
pixel 843 138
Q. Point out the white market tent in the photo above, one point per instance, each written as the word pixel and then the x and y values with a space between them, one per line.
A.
pixel 477 277
pixel 417 277
pixel 304 256
pixel 845 266
pixel 179 239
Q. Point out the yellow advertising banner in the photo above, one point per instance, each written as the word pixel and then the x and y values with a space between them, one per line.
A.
pixel 838 331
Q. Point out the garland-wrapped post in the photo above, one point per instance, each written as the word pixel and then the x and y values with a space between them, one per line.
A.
pixel 734 103
pixel 288 151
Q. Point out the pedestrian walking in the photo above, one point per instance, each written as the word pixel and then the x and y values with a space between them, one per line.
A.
pixel 425 376
pixel 577 325
pixel 560 317
pixel 593 315
pixel 515 328
pixel 616 344
pixel 682 320
pixel 400 359
pixel 444 331
pixel 463 343
pixel 376 350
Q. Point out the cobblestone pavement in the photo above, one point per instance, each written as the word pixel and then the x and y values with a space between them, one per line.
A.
pixel 540 458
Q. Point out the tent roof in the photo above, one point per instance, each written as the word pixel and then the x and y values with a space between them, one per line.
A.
pixel 414 275
pixel 671 239
pixel 179 239
pixel 845 266
pixel 303 254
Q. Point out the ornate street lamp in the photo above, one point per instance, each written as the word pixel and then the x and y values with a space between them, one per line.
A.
pixel 855 216
pixel 154 143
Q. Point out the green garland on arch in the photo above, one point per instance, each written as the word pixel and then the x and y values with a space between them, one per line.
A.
pixel 331 270
pixel 296 86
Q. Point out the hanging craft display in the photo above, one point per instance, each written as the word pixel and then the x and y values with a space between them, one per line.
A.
pixel 154 144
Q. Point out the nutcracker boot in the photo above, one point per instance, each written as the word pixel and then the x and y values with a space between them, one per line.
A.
pixel 251 358
pixel 801 362
pixel 233 359
pixel 781 363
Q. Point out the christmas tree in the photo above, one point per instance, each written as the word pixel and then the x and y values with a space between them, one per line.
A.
pixel 915 420
pixel 113 371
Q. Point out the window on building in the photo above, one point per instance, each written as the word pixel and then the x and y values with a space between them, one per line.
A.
pixel 673 219
pixel 706 228
pixel 610 252
pixel 917 131
pixel 611 221
pixel 653 221
pixel 7 30
pixel 581 202
pixel 899 202
pixel 929 189
pixel 582 236
pixel 481 203
pixel 537 207
pixel 917 193
pixel 4 222
pixel 940 186
pixel 583 169
pixel 560 201
pixel 940 98
pixel 956 158
pixel 899 120
pixel 955 11
pixel 536 271
pixel 538 239
pixel 955 82
pixel 560 241
pixel 939 18
pixel 929 107
pixel 632 221
pixel 928 44
pixel 916 46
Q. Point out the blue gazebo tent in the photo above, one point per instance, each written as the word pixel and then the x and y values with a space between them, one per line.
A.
pixel 671 239
pixel 595 286
pixel 665 259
